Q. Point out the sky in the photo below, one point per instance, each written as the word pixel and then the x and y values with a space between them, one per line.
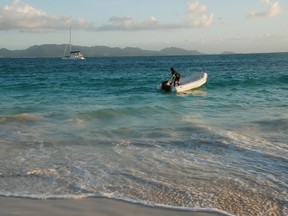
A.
pixel 209 26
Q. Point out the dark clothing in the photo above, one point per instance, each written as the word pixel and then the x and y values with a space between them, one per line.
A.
pixel 175 76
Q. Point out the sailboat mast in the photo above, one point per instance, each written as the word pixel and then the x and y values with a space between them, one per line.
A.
pixel 70 39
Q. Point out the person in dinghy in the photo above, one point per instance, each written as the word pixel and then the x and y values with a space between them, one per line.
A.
pixel 175 77
pixel 173 80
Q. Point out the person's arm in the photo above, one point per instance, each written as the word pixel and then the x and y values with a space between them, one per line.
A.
pixel 171 79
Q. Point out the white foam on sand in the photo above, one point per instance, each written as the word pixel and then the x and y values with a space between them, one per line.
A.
pixel 93 206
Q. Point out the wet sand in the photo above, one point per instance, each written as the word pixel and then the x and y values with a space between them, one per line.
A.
pixel 90 206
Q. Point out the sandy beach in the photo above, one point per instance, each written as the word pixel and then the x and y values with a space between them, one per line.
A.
pixel 91 206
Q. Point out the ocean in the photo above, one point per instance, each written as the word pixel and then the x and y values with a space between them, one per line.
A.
pixel 102 128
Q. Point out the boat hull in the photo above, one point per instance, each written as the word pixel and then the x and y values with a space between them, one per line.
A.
pixel 194 81
pixel 74 55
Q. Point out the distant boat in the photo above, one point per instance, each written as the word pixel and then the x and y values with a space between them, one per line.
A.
pixel 73 55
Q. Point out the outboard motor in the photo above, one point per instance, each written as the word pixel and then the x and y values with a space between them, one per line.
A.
pixel 166 86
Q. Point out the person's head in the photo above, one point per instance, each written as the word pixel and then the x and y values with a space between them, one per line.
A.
pixel 172 70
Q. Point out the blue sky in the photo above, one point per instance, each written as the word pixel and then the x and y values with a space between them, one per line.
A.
pixel 209 26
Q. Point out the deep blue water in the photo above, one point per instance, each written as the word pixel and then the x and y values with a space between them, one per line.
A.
pixel 102 128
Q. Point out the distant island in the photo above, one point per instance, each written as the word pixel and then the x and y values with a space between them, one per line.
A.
pixel 227 53
pixel 54 50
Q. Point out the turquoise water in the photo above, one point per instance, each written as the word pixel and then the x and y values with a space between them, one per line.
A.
pixel 102 128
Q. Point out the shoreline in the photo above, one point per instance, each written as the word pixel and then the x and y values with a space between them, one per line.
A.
pixel 91 206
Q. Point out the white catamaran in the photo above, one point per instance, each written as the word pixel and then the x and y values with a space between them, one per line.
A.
pixel 73 55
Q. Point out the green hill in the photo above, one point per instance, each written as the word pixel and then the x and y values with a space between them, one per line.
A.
pixel 54 50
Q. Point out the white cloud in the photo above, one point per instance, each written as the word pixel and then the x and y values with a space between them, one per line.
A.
pixel 273 9
pixel 130 24
pixel 25 17
pixel 197 16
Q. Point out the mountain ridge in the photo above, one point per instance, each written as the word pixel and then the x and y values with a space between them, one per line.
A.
pixel 56 50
